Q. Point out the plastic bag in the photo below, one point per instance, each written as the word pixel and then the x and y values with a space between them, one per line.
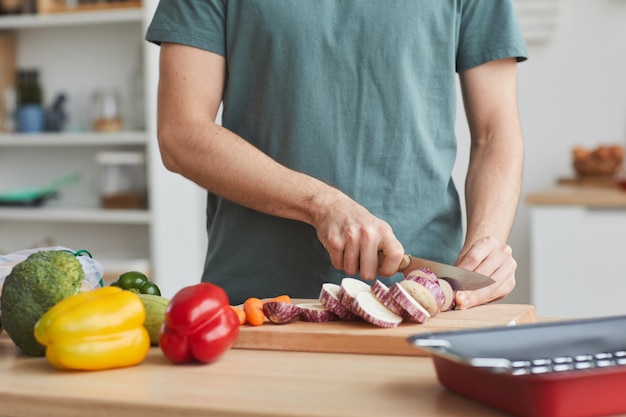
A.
pixel 93 269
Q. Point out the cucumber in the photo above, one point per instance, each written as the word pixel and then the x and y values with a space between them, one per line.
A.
pixel 155 306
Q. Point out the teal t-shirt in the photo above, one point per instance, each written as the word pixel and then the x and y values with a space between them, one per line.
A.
pixel 358 93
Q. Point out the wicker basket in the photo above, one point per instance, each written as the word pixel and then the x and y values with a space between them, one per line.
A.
pixel 597 167
pixel 604 160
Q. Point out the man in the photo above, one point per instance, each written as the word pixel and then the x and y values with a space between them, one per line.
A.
pixel 337 136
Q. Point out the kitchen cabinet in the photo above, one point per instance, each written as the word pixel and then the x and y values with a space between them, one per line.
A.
pixel 77 54
pixel 577 251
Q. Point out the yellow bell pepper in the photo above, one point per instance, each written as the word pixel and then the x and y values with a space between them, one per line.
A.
pixel 95 330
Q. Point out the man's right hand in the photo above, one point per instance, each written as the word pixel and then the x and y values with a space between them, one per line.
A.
pixel 354 237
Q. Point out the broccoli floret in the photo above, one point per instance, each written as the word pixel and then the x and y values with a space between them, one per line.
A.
pixel 33 286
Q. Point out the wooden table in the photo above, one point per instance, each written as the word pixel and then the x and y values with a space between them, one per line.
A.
pixel 241 383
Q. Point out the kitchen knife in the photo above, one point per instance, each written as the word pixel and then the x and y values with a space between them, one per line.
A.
pixel 459 278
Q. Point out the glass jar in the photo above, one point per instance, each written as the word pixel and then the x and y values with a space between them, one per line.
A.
pixel 122 180
pixel 105 111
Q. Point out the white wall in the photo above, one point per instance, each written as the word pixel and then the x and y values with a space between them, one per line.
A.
pixel 572 91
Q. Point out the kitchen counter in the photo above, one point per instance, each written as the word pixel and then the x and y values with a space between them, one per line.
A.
pixel 241 383
pixel 584 195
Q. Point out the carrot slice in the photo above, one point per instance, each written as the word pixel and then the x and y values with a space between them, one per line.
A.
pixel 253 307
pixel 282 298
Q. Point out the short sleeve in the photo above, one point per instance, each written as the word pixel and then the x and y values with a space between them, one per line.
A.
pixel 489 30
pixel 197 23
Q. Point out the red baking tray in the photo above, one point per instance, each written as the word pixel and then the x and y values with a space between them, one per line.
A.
pixel 574 368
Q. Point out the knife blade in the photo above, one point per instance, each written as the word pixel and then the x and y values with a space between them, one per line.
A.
pixel 460 279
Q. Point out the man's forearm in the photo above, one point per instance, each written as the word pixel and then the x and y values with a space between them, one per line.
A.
pixel 493 187
pixel 493 183
pixel 229 166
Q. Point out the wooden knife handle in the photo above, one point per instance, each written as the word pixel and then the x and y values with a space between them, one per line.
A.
pixel 404 263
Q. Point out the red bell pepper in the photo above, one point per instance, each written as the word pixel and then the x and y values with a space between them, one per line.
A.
pixel 199 325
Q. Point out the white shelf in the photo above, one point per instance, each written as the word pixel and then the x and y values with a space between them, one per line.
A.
pixel 71 19
pixel 73 139
pixel 79 52
pixel 75 215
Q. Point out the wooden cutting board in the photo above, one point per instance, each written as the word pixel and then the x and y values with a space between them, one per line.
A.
pixel 363 337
